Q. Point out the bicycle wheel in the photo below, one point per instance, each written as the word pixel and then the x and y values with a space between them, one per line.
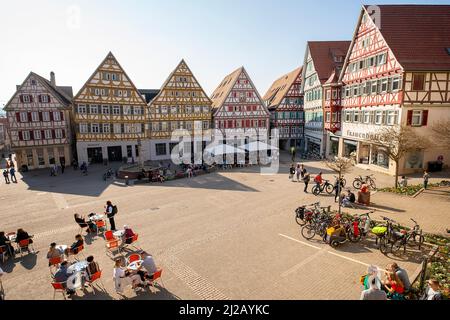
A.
pixel 308 232
pixel 397 245
pixel 316 190
pixel 329 189
pixel 372 184
pixel 299 220
pixel 383 245
pixel 352 237
pixel 356 184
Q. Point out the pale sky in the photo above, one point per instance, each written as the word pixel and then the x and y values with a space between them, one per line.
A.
pixel 150 37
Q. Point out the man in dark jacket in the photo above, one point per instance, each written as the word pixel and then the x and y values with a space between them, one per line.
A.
pixel 110 214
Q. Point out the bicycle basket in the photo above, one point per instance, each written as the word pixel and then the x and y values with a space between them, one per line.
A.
pixel 379 230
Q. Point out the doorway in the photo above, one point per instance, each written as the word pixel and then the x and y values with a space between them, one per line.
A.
pixel 95 155
pixel 115 153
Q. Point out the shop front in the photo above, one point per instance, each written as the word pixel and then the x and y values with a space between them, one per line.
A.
pixel 350 148
pixel 313 145
pixel 333 150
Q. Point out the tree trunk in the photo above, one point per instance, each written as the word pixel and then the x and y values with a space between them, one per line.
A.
pixel 396 174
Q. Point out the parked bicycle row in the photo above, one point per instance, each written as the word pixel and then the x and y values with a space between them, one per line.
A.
pixel 336 229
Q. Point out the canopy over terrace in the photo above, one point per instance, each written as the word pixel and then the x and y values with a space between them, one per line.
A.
pixel 224 149
pixel 259 146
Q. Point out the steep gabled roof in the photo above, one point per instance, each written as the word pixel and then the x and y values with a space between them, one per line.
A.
pixel 64 94
pixel 418 35
pixel 280 88
pixel 223 90
pixel 322 54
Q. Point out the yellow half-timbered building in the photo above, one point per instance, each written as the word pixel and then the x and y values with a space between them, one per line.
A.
pixel 180 104
pixel 109 116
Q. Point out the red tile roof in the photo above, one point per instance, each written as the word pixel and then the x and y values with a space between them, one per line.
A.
pixel 322 55
pixel 418 35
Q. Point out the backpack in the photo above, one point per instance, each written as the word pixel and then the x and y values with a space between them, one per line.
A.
pixel 114 210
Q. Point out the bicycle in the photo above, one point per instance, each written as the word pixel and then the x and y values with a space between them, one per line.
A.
pixel 108 174
pixel 367 180
pixel 414 235
pixel 343 181
pixel 303 214
pixel 390 236
pixel 327 186
pixel 362 224
pixel 318 225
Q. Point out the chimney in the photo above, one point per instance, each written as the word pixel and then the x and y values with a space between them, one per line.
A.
pixel 52 79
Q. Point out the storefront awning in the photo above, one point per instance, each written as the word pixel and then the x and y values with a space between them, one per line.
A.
pixel 353 143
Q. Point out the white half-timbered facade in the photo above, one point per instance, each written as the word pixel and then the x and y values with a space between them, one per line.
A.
pixel 110 116
pixel 285 103
pixel 39 123
pixel 397 72
pixel 238 108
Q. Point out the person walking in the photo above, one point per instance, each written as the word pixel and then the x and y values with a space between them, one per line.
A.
pixel 298 172
pixel 12 173
pixel 426 176
pixel 306 179
pixel 110 212
pixel 6 176
pixel 292 172
pixel 302 171
pixel 293 153
pixel 63 166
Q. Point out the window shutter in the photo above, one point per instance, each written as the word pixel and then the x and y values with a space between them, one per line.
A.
pixel 20 136
pixel 62 116
pixel 63 133
pixel 29 117
pixel 53 134
pixel 40 116
pixel 409 118
pixel 18 116
pixel 31 135
pixel 51 116
pixel 424 117
pixel 21 98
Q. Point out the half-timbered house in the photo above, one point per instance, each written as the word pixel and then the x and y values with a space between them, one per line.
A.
pixel 39 123
pixel 285 103
pixel 109 116
pixel 180 104
pixel 397 72
pixel 238 108
pixel 322 60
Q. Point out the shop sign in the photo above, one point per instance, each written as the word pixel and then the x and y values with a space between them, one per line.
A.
pixel 361 135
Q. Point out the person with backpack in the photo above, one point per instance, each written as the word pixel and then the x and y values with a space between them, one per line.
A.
pixel 110 212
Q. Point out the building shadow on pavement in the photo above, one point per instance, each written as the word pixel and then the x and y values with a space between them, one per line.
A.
pixel 160 293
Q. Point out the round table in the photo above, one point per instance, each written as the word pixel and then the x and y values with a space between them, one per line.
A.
pixel 11 236
pixel 77 267
pixel 119 233
pixel 74 281
pixel 134 265
pixel 97 217
pixel 61 248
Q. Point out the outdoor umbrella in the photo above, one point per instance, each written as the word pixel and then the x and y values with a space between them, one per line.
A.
pixel 223 149
pixel 258 146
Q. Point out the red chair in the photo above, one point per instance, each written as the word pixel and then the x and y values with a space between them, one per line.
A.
pixel 111 247
pixel 109 235
pixel 134 257
pixel 96 278
pixel 54 262
pixel 25 245
pixel 131 240
pixel 157 276
pixel 101 225
pixel 59 287
pixel 75 252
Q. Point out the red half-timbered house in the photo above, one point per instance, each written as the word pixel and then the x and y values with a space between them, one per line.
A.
pixel 238 107
pixel 39 123
pixel 397 72
pixel 285 103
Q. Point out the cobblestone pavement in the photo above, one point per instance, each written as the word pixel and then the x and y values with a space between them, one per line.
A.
pixel 225 235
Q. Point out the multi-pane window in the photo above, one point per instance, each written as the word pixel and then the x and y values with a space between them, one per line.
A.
pixel 328 116
pixel 416 119
pixel 37 135
pixel 58 134
pixel 56 116
pixel 374 87
pixel 155 126
pixel 384 85
pixel 366 116
pixel 95 128
pixel 23 117
pixel 382 59
pixel 93 109
pixel 26 98
pixel 378 117
pixel 116 110
pixel 395 83
pixel 117 128
pixel 138 111
pixel 348 116
pixel 173 109
pixel 26 135
pixel 391 117
pixel 205 125
pixel 126 110
pixel 206 109
pixel 105 109
pixel 106 128
pixel 197 109
pixel 83 128
pixel 44 98
pixel 356 116
pixel 35 116
pixel 160 149
pixel 81 108
pixel 48 134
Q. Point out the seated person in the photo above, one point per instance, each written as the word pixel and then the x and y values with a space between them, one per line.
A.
pixel 75 246
pixel 83 223
pixel 432 292
pixel 23 235
pixel 92 267
pixel 149 266
pixel 4 241
pixel 401 274
pixel 61 276
pixel 53 252
pixel 123 277
pixel 364 189
pixel 128 235
pixel 349 199
pixel 403 182
pixel 394 286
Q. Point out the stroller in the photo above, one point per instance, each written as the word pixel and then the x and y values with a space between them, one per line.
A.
pixel 336 236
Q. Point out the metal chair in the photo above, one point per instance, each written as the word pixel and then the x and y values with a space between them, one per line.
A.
pixel 101 225
pixel 25 245
pixel 59 287
pixel 111 247
pixel 75 252
pixel 95 279
pixel 54 263
pixel 157 276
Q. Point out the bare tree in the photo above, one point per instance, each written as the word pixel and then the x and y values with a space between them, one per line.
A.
pixel 441 133
pixel 341 166
pixel 397 142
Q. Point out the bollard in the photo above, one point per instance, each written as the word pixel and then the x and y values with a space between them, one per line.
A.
pixel 127 182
